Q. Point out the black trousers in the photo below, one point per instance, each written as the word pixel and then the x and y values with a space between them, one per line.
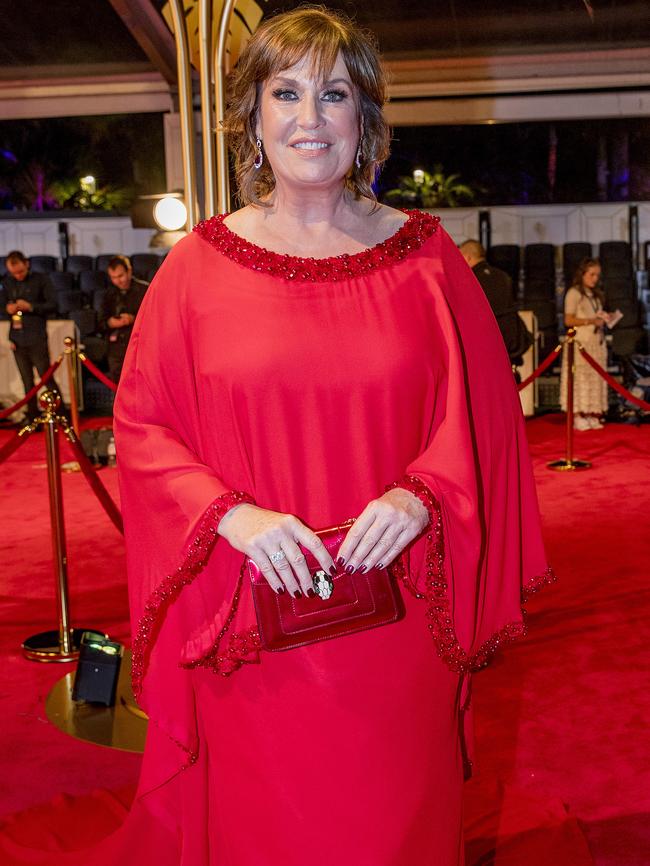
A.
pixel 28 357
pixel 115 356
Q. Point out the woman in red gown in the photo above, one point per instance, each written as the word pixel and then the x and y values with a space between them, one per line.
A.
pixel 309 358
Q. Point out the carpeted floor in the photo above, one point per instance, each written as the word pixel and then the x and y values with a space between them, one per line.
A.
pixel 561 716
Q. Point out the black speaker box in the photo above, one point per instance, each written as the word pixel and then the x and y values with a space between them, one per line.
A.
pixel 98 670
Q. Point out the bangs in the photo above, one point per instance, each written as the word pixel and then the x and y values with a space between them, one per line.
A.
pixel 319 46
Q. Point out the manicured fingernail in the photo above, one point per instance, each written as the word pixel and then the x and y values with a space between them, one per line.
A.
pixel 297 594
pixel 363 569
pixel 380 565
pixel 350 569
pixel 333 570
pixel 340 561
pixel 310 593
pixel 280 590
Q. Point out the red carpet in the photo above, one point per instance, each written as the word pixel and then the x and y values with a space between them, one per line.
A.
pixel 561 717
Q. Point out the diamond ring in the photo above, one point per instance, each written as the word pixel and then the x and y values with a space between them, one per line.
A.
pixel 278 556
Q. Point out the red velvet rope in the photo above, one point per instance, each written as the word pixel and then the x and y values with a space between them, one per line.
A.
pixel 97 487
pixel 47 375
pixel 546 363
pixel 12 445
pixel 612 381
pixel 97 373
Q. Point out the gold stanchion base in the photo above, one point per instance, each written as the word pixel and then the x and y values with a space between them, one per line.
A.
pixel 569 465
pixel 45 647
pixel 123 726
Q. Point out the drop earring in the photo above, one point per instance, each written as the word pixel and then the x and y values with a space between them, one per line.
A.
pixel 259 156
pixel 359 156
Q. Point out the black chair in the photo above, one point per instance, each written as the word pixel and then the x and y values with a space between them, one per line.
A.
pixel 538 290
pixel 101 262
pixel 61 281
pixel 42 264
pixel 539 262
pixel 626 341
pixel 620 288
pixel 98 299
pixel 545 312
pixel 572 255
pixel 67 301
pixel 631 310
pixel 506 257
pixel 144 264
pixel 75 264
pixel 85 320
pixel 91 281
pixel 615 259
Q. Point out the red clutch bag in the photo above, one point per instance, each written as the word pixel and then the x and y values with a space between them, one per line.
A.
pixel 343 604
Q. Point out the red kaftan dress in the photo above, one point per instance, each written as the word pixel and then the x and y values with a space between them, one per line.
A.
pixel 308 386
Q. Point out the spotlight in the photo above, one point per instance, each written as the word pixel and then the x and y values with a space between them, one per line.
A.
pixel 170 213
pixel 418 176
pixel 88 184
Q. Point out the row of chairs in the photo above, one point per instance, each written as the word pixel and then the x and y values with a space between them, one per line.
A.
pixel 142 263
pixel 534 278
pixel 535 270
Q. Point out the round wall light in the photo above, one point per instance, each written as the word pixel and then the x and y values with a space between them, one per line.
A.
pixel 170 213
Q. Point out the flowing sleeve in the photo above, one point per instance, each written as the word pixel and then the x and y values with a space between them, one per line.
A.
pixel 172 502
pixel 482 552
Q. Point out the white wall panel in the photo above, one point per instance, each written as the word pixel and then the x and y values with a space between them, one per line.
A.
pixel 557 224
pixel 90 236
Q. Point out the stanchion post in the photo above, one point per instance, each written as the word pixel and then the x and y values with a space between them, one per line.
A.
pixel 62 645
pixel 569 464
pixel 70 353
pixel 571 370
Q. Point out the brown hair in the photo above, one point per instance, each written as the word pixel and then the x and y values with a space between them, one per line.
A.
pixel 119 262
pixel 580 271
pixel 282 41
pixel 16 257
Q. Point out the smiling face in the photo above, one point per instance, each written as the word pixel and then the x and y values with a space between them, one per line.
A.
pixel 310 128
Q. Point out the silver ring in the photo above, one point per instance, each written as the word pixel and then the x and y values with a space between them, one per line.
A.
pixel 278 556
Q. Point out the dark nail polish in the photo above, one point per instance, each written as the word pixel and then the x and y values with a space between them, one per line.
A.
pixel 363 569
pixel 333 570
pixel 350 569
pixel 310 593
pixel 379 565
pixel 280 590
pixel 340 561
pixel 297 594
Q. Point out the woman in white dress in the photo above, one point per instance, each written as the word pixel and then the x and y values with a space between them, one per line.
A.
pixel 584 311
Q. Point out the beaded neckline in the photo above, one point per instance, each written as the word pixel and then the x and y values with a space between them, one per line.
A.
pixel 408 238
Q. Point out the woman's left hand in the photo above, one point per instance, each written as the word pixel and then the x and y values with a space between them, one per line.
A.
pixel 382 531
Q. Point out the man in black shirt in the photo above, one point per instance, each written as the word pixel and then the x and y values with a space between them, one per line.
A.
pixel 497 286
pixel 121 304
pixel 27 299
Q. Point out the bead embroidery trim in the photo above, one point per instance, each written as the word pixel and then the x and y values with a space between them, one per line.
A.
pixel 240 644
pixel 196 556
pixel 408 238
pixel 441 624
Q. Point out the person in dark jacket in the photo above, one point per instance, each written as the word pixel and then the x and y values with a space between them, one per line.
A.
pixel 27 299
pixel 121 304
pixel 497 286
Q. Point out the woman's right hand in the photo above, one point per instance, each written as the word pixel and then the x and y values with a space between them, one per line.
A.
pixel 260 533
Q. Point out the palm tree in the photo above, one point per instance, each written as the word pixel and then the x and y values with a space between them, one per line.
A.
pixel 430 189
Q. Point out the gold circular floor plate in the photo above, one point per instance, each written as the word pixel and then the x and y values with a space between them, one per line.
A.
pixel 123 726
